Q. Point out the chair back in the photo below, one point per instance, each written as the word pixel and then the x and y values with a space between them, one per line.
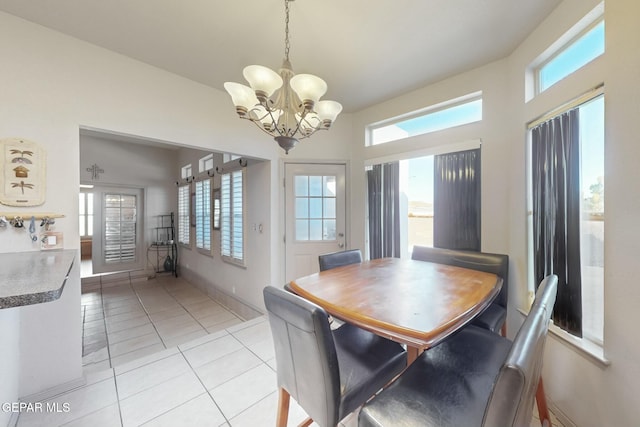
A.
pixel 497 264
pixel 338 259
pixel 511 401
pixel 307 364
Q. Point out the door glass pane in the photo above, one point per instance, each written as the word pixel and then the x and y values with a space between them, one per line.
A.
pixel 315 208
pixel 302 185
pixel 329 207
pixel 315 229
pixel 302 207
pixel 315 186
pixel 329 186
pixel 329 232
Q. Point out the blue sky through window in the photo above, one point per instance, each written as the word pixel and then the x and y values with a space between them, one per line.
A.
pixel 431 121
pixel 575 56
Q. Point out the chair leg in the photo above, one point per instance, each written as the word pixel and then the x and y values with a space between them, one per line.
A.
pixel 283 408
pixel 503 330
pixel 543 410
pixel 306 423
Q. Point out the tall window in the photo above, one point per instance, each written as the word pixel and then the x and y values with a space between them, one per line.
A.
pixel 456 112
pixel 567 222
pixel 183 215
pixel 86 214
pixel 203 214
pixel 232 216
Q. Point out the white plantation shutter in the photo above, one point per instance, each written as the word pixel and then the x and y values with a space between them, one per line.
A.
pixel 183 214
pixel 203 214
pixel 119 228
pixel 232 216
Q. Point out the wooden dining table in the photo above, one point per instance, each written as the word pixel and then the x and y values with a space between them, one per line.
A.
pixel 412 302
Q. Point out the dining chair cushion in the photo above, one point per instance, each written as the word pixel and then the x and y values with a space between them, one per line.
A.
pixel 475 378
pixel 447 386
pixel 329 373
pixel 495 316
pixel 338 259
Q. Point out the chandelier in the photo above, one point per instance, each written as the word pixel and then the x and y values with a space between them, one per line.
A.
pixel 285 105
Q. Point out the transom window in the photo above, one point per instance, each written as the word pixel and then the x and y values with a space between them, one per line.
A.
pixel 315 207
pixel 573 56
pixel 455 112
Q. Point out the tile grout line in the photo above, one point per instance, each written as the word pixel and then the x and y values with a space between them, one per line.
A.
pixel 227 421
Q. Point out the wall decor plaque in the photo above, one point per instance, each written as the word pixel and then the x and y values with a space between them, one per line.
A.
pixel 23 178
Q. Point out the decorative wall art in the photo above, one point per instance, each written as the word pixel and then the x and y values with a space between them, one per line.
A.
pixel 23 178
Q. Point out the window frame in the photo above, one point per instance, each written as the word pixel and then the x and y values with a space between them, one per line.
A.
pixel 425 113
pixel 227 236
pixel 564 47
pixel 592 345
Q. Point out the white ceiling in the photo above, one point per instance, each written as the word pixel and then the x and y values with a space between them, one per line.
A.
pixel 366 50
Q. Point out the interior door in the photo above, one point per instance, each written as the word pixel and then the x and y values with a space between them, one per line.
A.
pixel 117 243
pixel 315 215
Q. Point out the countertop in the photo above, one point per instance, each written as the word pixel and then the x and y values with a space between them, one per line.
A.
pixel 33 277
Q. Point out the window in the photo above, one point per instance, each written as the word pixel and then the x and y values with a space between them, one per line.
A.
pixel 588 46
pixel 456 112
pixel 232 216
pixel 315 207
pixel 566 229
pixel 203 214
pixel 417 184
pixel 205 163
pixel 183 214
pixel 226 157
pixel 186 171
pixel 86 214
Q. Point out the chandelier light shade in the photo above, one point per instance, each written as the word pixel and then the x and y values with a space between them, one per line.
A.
pixel 285 105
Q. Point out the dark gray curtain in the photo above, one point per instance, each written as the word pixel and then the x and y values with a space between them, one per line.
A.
pixel 556 214
pixel 383 183
pixel 456 193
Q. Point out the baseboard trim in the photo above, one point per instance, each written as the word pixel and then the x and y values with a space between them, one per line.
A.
pixel 241 308
pixel 54 391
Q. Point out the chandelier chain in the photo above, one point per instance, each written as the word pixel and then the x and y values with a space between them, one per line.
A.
pixel 287 45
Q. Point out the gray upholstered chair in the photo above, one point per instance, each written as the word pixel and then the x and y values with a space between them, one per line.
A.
pixel 495 316
pixel 338 259
pixel 475 378
pixel 329 373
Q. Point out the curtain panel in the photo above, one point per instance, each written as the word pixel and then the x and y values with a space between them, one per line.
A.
pixel 555 154
pixel 383 183
pixel 456 213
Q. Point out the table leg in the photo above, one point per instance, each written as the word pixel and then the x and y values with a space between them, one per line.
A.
pixel 412 354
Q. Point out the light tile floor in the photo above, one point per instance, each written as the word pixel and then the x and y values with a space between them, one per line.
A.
pixel 125 318
pixel 225 376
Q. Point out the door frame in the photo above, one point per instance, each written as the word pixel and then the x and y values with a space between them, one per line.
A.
pixel 283 203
